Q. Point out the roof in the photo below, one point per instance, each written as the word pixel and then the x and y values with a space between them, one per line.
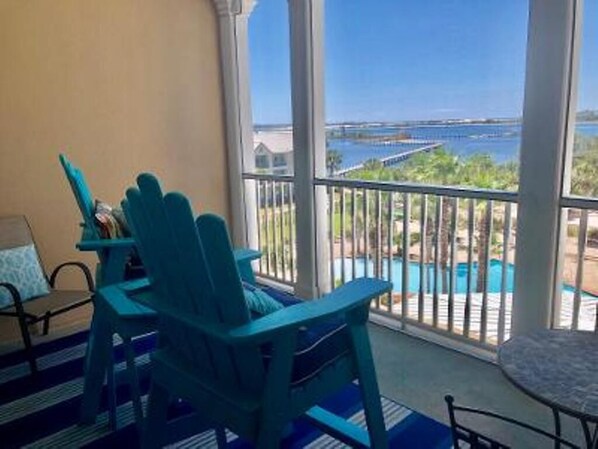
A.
pixel 275 141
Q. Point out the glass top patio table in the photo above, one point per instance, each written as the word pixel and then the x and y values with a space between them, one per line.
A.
pixel 558 368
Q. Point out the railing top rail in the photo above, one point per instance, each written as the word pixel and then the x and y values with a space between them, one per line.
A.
pixel 268 177
pixel 579 202
pixel 389 186
pixel 403 187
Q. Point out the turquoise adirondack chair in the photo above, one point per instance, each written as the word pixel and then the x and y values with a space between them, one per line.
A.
pixel 126 319
pixel 212 353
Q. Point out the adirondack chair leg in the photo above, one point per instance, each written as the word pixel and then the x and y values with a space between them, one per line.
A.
pixel 97 363
pixel 133 381
pixel 111 392
pixel 368 386
pixel 221 437
pixel 273 419
pixel 155 422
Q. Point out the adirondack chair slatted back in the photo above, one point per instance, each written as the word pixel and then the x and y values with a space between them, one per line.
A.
pixel 83 197
pixel 192 269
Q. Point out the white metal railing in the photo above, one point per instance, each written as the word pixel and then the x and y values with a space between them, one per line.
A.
pixel 276 228
pixel 577 303
pixel 449 251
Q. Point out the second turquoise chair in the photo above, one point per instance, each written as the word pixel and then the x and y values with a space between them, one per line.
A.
pixel 212 353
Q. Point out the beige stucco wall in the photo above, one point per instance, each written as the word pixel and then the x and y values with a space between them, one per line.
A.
pixel 120 86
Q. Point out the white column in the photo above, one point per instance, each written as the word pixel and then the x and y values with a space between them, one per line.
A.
pixel 548 107
pixel 233 18
pixel 306 19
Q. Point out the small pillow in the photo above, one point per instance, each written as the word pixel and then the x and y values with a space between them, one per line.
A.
pixel 111 222
pixel 259 301
pixel 20 267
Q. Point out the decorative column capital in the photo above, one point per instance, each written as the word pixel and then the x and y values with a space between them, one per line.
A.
pixel 228 8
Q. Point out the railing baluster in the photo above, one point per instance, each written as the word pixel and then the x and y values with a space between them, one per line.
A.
pixel 470 237
pixel 423 230
pixel 378 256
pixel 353 233
pixel 274 230
pixel 342 228
pixel 331 232
pixel 366 238
pixel 488 241
pixel 582 241
pixel 267 227
pixel 292 231
pixel 506 242
pixel 282 228
pixel 259 222
pixel 390 245
pixel 437 242
pixel 405 266
pixel 453 264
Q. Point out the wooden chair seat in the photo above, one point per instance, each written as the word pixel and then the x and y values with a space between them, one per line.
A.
pixel 317 345
pixel 56 300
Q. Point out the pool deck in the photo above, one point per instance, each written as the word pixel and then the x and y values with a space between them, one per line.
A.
pixel 587 314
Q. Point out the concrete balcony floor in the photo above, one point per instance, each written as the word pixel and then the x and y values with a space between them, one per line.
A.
pixel 418 374
pixel 411 371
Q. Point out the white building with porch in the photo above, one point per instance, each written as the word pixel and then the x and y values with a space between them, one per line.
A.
pixel 273 152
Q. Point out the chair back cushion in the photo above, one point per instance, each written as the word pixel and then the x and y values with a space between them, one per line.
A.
pixel 19 261
pixel 191 267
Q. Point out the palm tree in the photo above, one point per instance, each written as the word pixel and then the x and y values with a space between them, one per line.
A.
pixel 438 168
pixel 334 161
pixel 481 171
pixel 373 170
pixel 584 177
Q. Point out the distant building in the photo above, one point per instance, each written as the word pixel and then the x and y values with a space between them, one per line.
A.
pixel 273 152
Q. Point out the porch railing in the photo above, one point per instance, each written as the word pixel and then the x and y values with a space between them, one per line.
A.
pixel 576 305
pixel 448 251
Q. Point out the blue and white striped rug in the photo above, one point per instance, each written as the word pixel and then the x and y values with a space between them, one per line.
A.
pixel 43 412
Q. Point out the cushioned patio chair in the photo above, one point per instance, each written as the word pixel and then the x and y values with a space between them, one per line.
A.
pixel 26 292
pixel 466 437
pixel 240 373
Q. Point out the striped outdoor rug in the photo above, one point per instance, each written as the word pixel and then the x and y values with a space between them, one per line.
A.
pixel 43 412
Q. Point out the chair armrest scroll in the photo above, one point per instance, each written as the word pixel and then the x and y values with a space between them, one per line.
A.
pixel 81 266
pixel 94 245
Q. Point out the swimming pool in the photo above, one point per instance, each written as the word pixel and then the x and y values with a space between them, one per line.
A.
pixel 494 279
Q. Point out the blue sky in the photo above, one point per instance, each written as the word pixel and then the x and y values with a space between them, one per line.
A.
pixel 391 60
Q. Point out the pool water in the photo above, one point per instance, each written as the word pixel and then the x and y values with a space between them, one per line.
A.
pixel 494 279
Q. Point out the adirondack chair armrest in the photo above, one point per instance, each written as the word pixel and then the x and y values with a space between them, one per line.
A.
pixel 351 295
pixel 246 254
pixel 99 244
pixel 135 286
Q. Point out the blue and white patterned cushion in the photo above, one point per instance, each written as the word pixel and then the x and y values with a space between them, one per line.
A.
pixel 20 267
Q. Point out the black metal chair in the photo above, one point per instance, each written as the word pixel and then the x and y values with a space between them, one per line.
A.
pixel 475 440
pixel 15 232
